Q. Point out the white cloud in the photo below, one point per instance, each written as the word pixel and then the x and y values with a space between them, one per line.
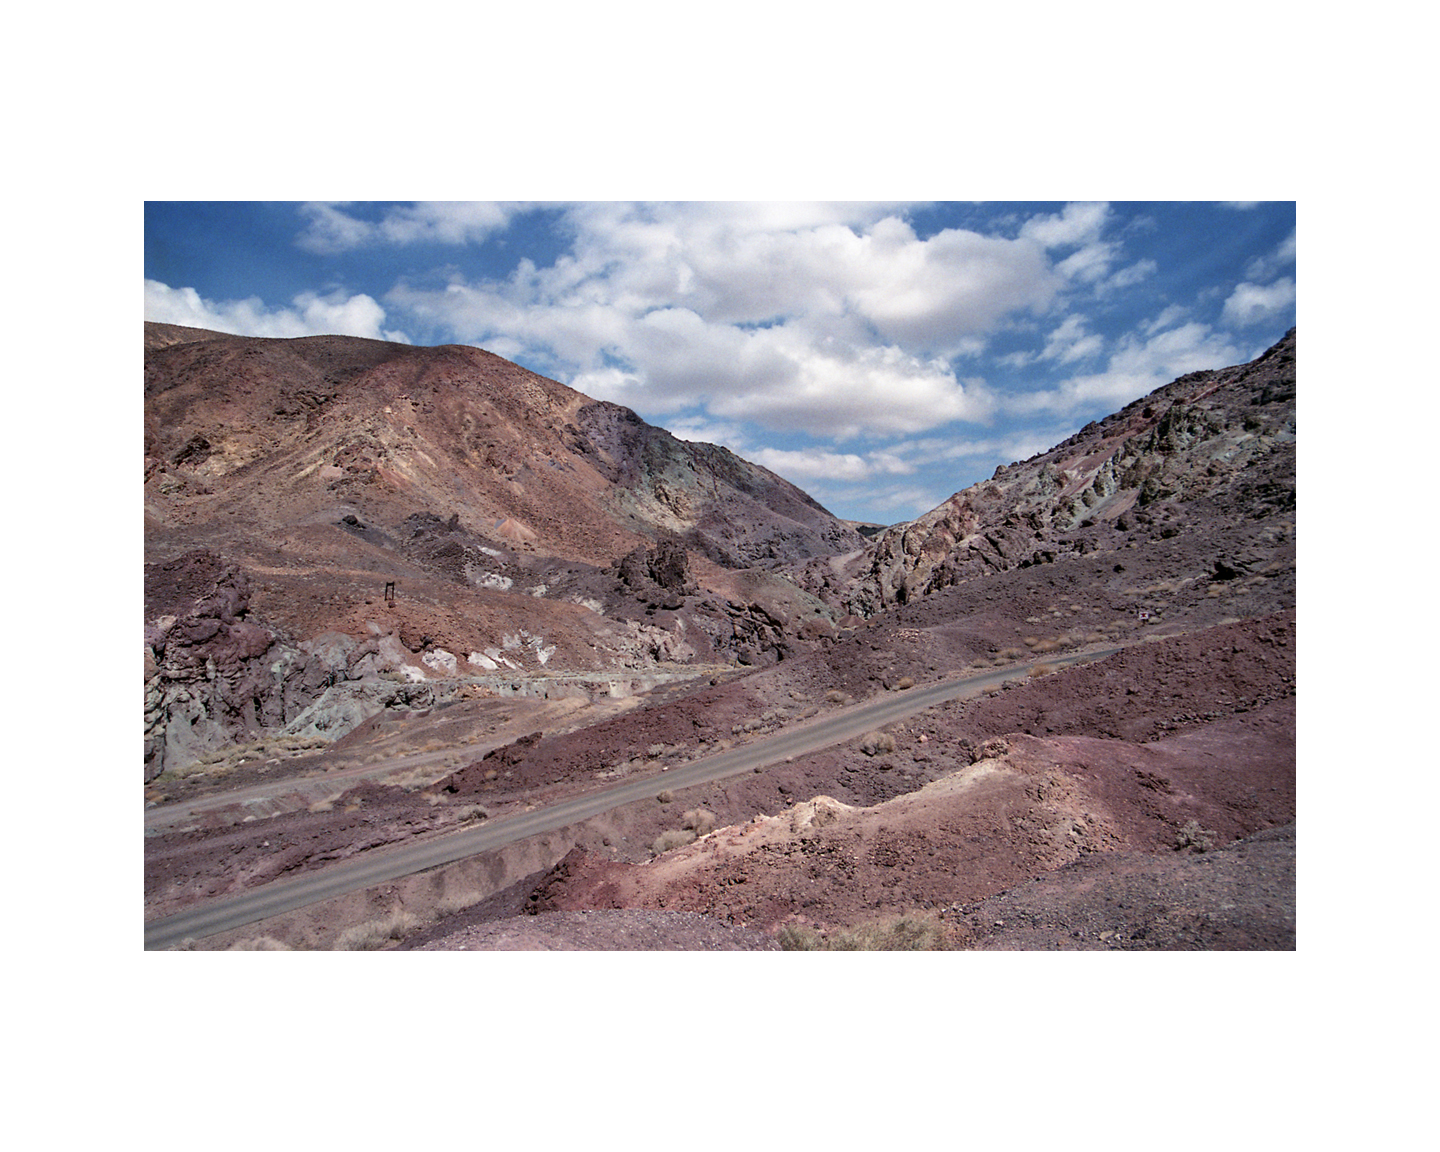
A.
pixel 1169 317
pixel 821 464
pixel 1076 225
pixel 1271 264
pixel 1128 277
pixel 312 314
pixel 1135 368
pixel 330 229
pixel 1254 303
pixel 828 317
pixel 1070 342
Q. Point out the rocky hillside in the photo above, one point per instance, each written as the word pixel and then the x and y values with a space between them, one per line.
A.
pixel 1207 460
pixel 331 521
pixel 272 435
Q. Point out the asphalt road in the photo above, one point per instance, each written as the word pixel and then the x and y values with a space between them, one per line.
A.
pixel 384 865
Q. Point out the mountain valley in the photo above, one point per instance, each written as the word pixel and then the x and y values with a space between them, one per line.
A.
pixel 394 595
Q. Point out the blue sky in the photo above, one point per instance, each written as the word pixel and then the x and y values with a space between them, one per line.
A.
pixel 880 355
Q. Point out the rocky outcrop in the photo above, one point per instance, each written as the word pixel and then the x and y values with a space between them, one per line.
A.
pixel 1211 449
pixel 215 677
pixel 727 509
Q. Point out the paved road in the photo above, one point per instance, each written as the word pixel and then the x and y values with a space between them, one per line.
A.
pixel 388 864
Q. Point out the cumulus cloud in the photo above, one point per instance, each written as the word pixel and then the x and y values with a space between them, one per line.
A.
pixel 833 318
pixel 1255 303
pixel 311 314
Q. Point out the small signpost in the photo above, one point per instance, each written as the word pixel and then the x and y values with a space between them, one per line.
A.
pixel 390 592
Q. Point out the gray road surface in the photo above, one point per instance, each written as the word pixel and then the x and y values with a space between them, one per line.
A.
pixel 384 865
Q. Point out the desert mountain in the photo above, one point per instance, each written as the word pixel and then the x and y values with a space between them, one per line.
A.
pixel 274 436
pixel 327 515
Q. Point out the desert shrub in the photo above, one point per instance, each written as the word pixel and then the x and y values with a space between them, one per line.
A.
pixel 835 696
pixel 471 813
pixel 1192 836
pixel 904 682
pixel 374 934
pixel 911 932
pixel 1041 670
pixel 698 820
pixel 300 743
pixel 674 838
pixel 260 944
pixel 666 796
pixel 873 743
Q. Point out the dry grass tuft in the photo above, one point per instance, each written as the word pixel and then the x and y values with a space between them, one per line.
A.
pixel 701 821
pixel 375 934
pixel 261 944
pixel 1042 670
pixel 675 838
pixel 910 932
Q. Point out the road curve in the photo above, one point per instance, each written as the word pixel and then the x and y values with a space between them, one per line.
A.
pixel 384 865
